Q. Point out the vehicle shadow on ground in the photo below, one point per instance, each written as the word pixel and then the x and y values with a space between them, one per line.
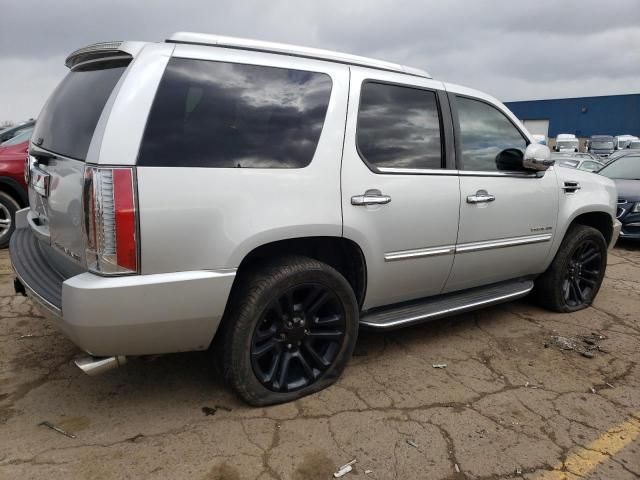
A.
pixel 188 378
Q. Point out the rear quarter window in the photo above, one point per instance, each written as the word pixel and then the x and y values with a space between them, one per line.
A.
pixel 229 115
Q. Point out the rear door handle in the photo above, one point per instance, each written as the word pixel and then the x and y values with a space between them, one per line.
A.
pixel 481 196
pixel 370 197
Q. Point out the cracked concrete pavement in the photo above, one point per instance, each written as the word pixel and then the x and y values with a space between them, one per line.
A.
pixel 504 403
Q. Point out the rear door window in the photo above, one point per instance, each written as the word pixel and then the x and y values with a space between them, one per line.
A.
pixel 229 115
pixel 69 118
pixel 399 127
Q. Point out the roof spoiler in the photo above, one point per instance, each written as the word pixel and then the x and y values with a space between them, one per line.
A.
pixel 94 52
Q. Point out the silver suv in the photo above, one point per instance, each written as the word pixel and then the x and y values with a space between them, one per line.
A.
pixel 266 201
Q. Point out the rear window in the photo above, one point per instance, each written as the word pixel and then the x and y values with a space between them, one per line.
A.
pixel 229 115
pixel 69 118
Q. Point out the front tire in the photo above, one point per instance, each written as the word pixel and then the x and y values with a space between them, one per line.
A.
pixel 289 332
pixel 572 281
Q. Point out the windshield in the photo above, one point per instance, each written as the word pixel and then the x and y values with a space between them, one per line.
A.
pixel 624 168
pixel 23 136
pixel 590 166
pixel 602 145
pixel 569 163
pixel 567 143
pixel 70 116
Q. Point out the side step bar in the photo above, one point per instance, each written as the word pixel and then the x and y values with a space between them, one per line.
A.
pixel 410 313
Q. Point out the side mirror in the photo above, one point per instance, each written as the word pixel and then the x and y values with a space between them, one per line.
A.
pixel 537 157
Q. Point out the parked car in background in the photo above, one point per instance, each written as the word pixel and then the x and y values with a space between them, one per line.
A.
pixel 13 189
pixel 601 145
pixel 621 142
pixel 634 145
pixel 566 142
pixel 580 161
pixel 625 171
pixel 267 200
pixel 11 132
pixel 541 139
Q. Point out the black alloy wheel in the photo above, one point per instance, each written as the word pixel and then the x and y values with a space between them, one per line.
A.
pixel 298 337
pixel 583 273
pixel 575 275
pixel 288 331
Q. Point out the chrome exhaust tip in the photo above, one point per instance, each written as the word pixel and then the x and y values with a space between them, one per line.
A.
pixel 97 365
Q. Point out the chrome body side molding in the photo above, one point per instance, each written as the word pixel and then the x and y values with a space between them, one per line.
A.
pixel 503 243
pixel 419 253
pixel 466 247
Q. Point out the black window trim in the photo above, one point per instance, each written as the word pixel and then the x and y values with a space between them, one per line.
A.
pixel 446 134
pixel 458 146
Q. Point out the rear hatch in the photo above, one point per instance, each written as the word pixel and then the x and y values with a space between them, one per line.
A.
pixel 61 144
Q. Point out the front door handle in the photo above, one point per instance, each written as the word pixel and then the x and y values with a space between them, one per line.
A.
pixel 370 197
pixel 481 196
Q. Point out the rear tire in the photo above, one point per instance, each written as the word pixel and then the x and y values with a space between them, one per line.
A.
pixel 289 331
pixel 8 209
pixel 574 277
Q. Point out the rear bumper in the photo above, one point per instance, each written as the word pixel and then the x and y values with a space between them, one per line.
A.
pixel 129 315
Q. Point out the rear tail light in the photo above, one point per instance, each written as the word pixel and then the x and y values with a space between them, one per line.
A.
pixel 110 226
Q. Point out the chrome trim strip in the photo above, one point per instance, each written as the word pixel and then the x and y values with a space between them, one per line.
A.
pixel 503 243
pixel 418 253
pixel 447 311
pixel 632 224
pixel 418 171
pixel 468 173
pixel 462 173
pixel 465 247
pixel 31 293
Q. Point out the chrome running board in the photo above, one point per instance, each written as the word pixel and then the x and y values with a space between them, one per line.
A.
pixel 410 313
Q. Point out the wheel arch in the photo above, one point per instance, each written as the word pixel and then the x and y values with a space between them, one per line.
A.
pixel 12 187
pixel 343 254
pixel 599 220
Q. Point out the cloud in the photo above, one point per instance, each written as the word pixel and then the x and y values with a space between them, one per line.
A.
pixel 514 51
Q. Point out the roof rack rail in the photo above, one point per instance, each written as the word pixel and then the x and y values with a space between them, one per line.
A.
pixel 293 50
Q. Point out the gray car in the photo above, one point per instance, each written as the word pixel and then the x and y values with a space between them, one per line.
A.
pixel 581 161
pixel 266 201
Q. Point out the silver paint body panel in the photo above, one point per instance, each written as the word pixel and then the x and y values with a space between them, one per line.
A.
pixel 198 224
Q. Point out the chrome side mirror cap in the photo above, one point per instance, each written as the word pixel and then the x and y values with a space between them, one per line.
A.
pixel 537 157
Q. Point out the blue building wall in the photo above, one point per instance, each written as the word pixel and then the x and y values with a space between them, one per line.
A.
pixel 585 116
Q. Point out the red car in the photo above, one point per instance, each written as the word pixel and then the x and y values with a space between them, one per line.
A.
pixel 13 190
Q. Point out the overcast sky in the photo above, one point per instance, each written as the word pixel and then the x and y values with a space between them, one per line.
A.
pixel 513 50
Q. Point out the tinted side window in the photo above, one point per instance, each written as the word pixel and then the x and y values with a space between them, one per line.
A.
pixel 489 140
pixel 228 115
pixel 399 127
